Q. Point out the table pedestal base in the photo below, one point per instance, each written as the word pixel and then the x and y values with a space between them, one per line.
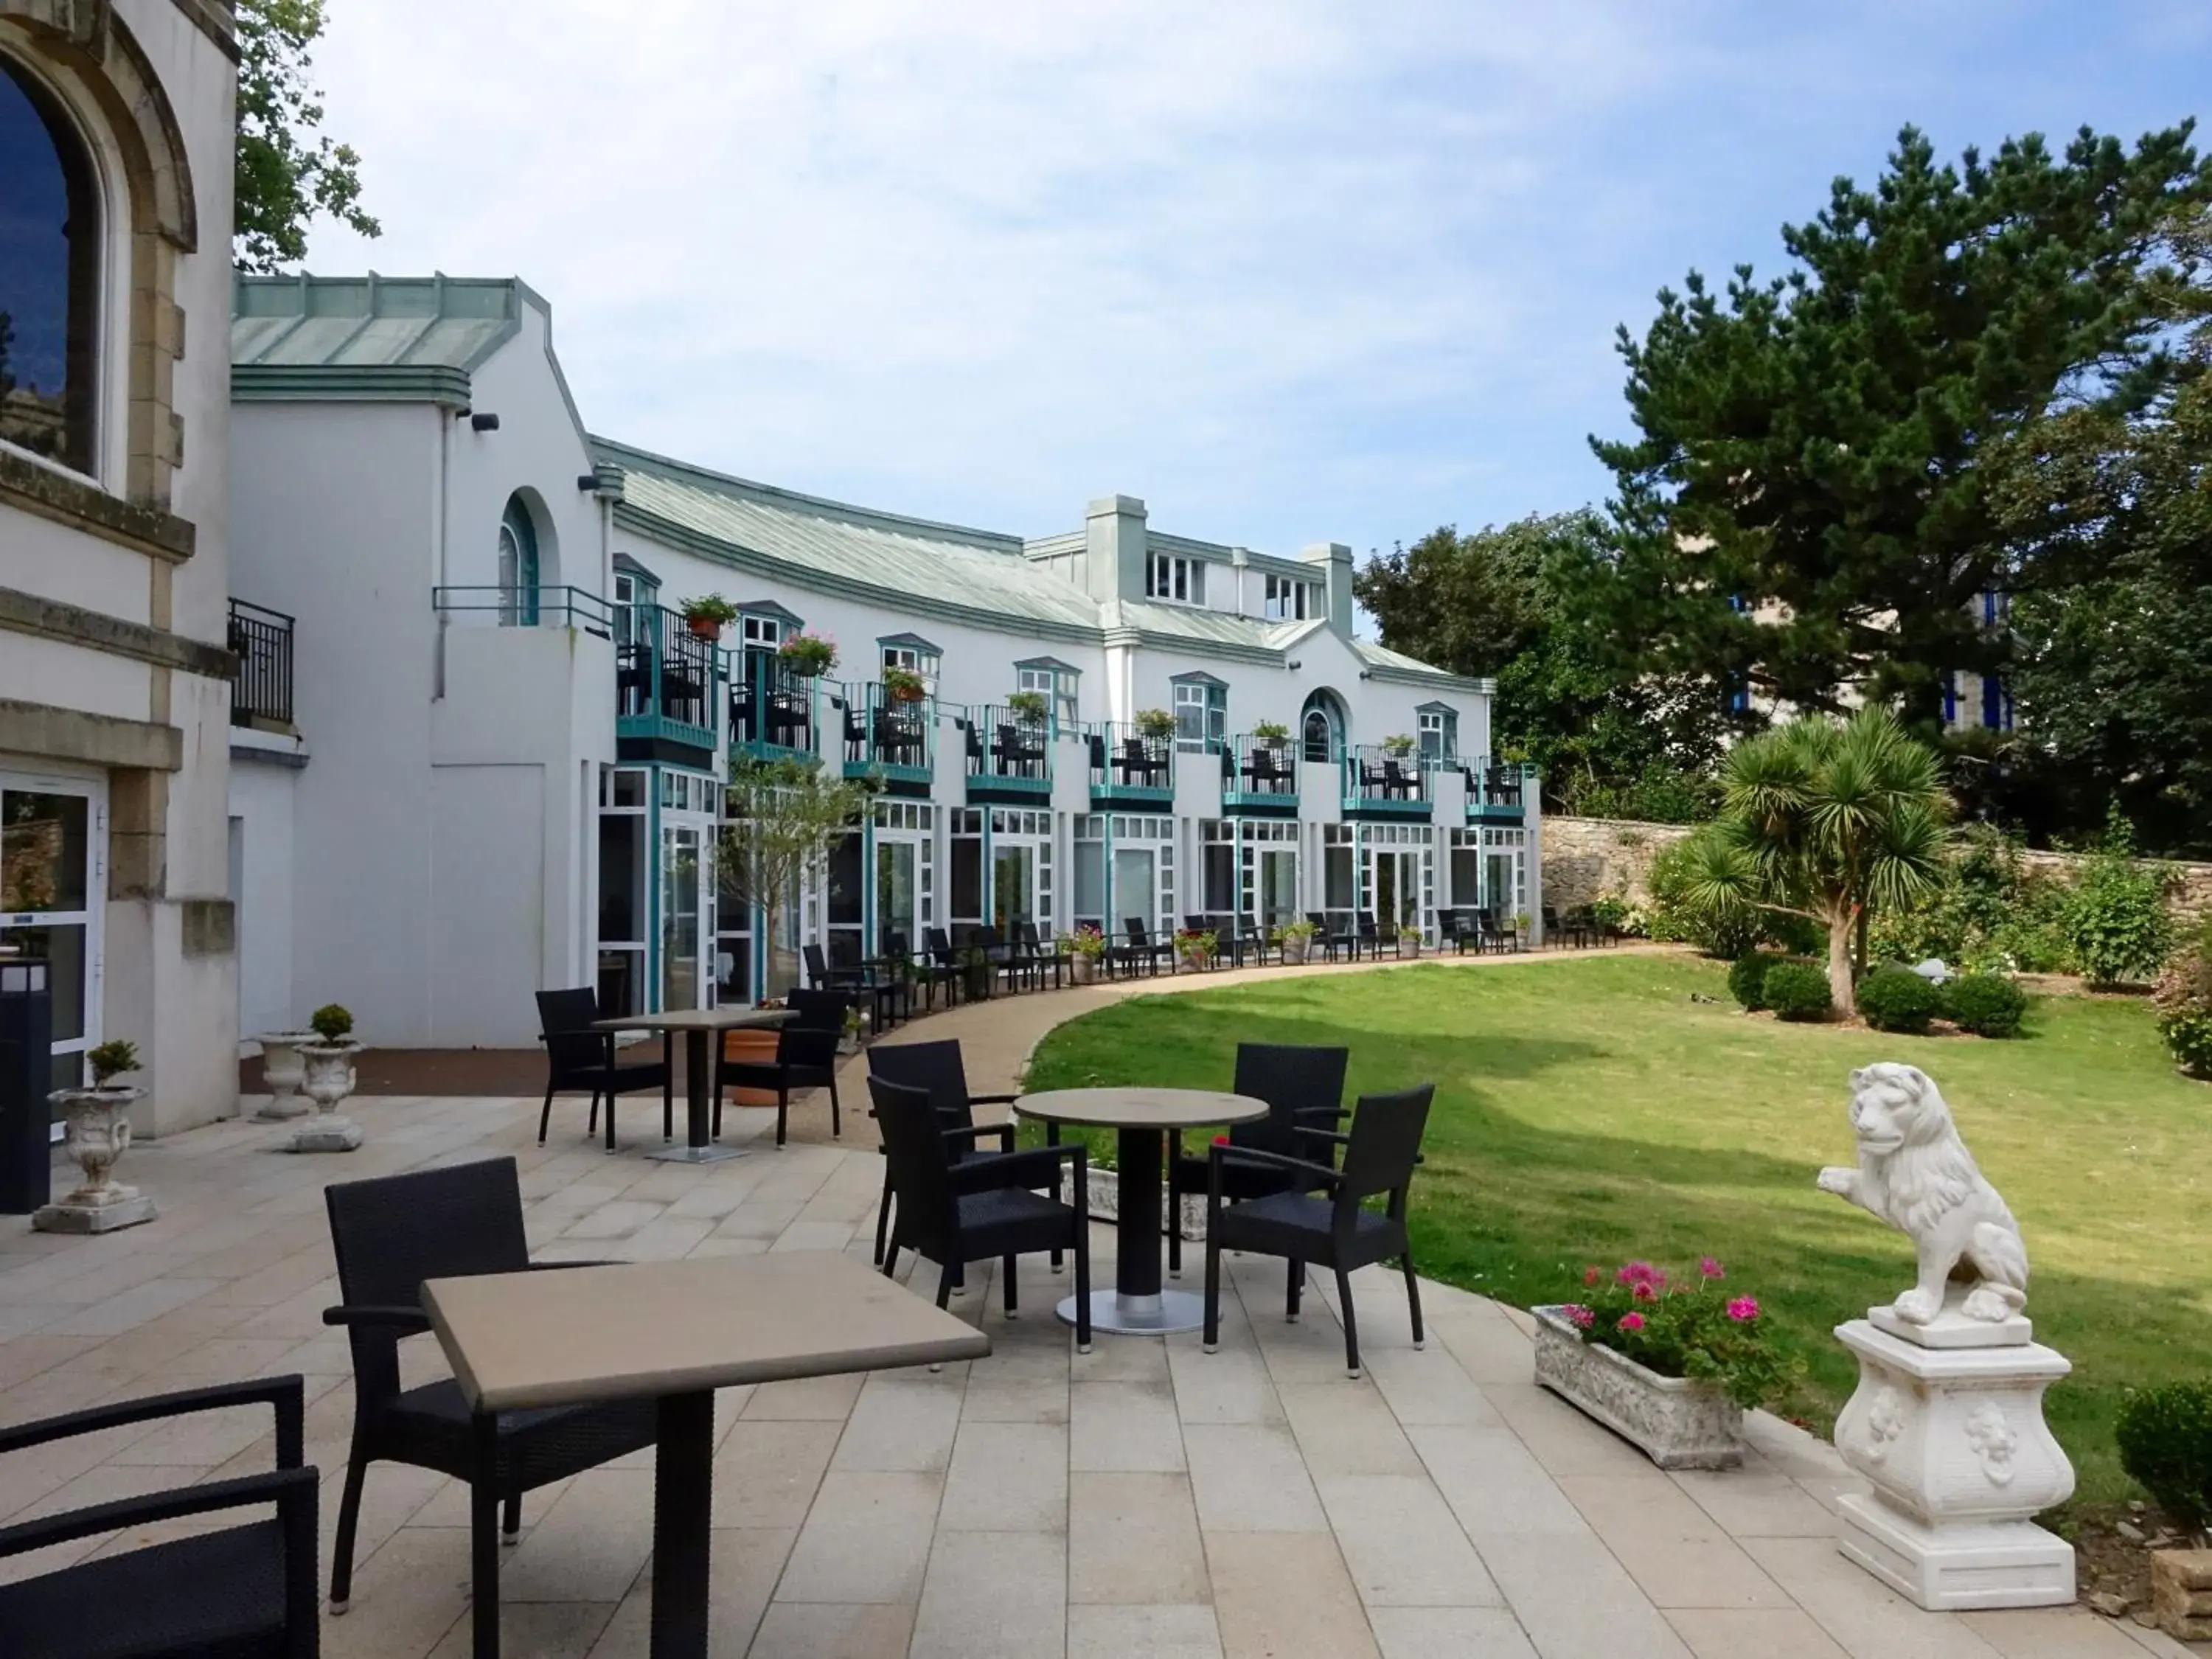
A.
pixel 1139 1315
pixel 708 1154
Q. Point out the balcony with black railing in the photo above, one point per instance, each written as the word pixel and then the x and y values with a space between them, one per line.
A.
pixel 1259 774
pixel 1008 753
pixel 666 677
pixel 1130 766
pixel 1497 791
pixel 1382 781
pixel 774 710
pixel 261 639
pixel 890 738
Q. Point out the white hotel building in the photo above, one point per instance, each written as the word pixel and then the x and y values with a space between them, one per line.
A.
pixel 500 759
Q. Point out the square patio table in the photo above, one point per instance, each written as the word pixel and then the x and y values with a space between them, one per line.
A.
pixel 674 1332
pixel 702 1067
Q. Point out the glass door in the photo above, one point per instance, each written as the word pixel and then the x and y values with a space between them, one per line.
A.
pixel 1396 886
pixel 53 874
pixel 1136 892
pixel 1013 886
pixel 682 895
pixel 1278 886
pixel 898 909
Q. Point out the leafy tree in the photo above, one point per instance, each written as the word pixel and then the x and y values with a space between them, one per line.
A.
pixel 1497 603
pixel 783 818
pixel 286 170
pixel 1825 819
pixel 1804 513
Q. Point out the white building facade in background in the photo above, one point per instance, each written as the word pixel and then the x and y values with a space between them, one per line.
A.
pixel 116 133
pixel 513 747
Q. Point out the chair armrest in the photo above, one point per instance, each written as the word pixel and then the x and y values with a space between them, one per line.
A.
pixel 409 1319
pixel 992 1100
pixel 282 1392
pixel 1038 1166
pixel 1219 1153
pixel 555 1266
pixel 972 1132
pixel 1335 1136
pixel 287 1488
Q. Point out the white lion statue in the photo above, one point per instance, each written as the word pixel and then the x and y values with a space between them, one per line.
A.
pixel 1915 1174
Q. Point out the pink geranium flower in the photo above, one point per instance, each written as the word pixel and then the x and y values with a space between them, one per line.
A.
pixel 1580 1317
pixel 1743 1308
pixel 1710 1268
pixel 1646 1290
pixel 1639 1273
pixel 1632 1321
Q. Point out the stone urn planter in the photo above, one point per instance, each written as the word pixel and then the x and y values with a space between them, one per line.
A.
pixel 330 1079
pixel 284 1071
pixel 1679 1422
pixel 98 1134
pixel 1409 945
pixel 1295 947
pixel 1082 970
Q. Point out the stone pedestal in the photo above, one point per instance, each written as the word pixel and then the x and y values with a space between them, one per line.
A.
pixel 330 1079
pixel 284 1071
pixel 127 1207
pixel 1949 1431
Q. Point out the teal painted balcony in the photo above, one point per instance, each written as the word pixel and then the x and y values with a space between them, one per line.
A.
pixel 889 737
pixel 1009 754
pixel 1497 791
pixel 1384 783
pixel 774 710
pixel 1260 775
pixel 667 680
pixel 1129 767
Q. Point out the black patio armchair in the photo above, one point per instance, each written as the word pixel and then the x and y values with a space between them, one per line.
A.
pixel 939 1070
pixel 1503 935
pixel 1304 1088
pixel 1338 1231
pixel 989 1208
pixel 1367 937
pixel 1138 949
pixel 577 1057
pixel 1037 953
pixel 1327 936
pixel 938 965
pixel 240 1592
pixel 1450 931
pixel 389 1234
pixel 806 1058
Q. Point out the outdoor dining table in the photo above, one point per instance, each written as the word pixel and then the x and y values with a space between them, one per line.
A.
pixel 674 1332
pixel 1144 1118
pixel 702 1067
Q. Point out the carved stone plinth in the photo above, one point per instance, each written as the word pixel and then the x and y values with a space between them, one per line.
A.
pixel 1679 1423
pixel 330 1079
pixel 1953 1442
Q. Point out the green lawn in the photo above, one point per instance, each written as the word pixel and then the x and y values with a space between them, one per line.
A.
pixel 1587 1111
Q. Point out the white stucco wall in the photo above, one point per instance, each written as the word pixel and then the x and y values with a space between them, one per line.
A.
pixel 261 809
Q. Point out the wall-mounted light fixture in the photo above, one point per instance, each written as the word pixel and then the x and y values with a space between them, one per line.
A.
pixel 486 422
pixel 588 481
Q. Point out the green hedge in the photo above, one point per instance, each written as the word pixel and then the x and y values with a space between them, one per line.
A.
pixel 1894 998
pixel 1988 1005
pixel 1797 991
pixel 2164 1438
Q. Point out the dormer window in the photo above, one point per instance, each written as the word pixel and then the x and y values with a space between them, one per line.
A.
pixel 762 625
pixel 1289 599
pixel 1439 731
pixel 1201 713
pixel 1181 581
pixel 1055 681
pixel 913 654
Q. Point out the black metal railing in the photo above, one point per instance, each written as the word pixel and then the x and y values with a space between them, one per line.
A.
pixel 1377 774
pixel 1260 767
pixel 1130 763
pixel 1009 746
pixel 261 639
pixel 1493 786
pixel 771 706
pixel 894 733
pixel 664 674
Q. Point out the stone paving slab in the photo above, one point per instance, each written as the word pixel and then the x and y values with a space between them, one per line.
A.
pixel 1145 1498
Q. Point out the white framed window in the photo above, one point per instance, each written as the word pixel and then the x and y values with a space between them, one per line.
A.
pixel 1169 576
pixel 761 631
pixel 1289 599
pixel 1057 683
pixel 1201 716
pixel 914 661
pixel 1439 734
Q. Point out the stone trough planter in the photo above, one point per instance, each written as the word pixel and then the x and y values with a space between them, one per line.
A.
pixel 1106 1203
pixel 1677 1422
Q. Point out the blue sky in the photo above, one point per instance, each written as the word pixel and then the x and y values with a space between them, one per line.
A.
pixel 1291 271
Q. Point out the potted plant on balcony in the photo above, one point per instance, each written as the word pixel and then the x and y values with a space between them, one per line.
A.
pixel 808 653
pixel 1667 1363
pixel 1295 939
pixel 330 1079
pixel 1397 746
pixel 1197 947
pixel 1085 948
pixel 1155 723
pixel 1028 707
pixel 904 686
pixel 1271 734
pixel 99 1134
pixel 709 614
pixel 1409 939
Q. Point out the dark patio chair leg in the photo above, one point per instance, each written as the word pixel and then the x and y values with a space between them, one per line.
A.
pixel 1297 1277
pixel 890 1260
pixel 545 1117
pixel 782 1110
pixel 668 1104
pixel 884 1213
pixel 948 1277
pixel 1175 1220
pixel 592 1123
pixel 1210 1339
pixel 611 1121
pixel 1350 1324
pixel 349 1522
pixel 510 1521
pixel 483 1539
pixel 1013 1304
pixel 1413 1301
pixel 835 1129
pixel 1052 1139
pixel 1083 1293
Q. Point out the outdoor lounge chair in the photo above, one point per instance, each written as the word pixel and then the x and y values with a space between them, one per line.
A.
pixel 938 1069
pixel 954 1218
pixel 1450 931
pixel 241 1592
pixel 577 1057
pixel 806 1058
pixel 1139 947
pixel 1327 936
pixel 1367 937
pixel 1304 1088
pixel 1337 1232
pixel 389 1234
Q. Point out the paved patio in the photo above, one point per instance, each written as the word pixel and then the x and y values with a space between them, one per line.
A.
pixel 1145 1498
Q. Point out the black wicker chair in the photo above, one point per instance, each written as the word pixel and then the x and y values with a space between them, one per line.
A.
pixel 1367 937
pixel 243 1592
pixel 1140 947
pixel 1304 1089
pixel 806 1058
pixel 389 1235
pixel 1328 937
pixel 577 1057
pixel 989 1207
pixel 1337 1233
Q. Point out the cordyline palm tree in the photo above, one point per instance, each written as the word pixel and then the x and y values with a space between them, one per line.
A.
pixel 1828 820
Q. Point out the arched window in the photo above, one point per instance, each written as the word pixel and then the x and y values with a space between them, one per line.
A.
pixel 49 277
pixel 517 565
pixel 1320 727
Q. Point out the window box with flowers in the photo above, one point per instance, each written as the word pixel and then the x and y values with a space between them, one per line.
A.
pixel 1668 1365
pixel 808 654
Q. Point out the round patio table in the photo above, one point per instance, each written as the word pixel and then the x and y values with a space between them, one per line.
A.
pixel 1142 1117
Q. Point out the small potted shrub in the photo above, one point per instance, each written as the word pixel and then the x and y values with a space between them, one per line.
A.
pixel 904 686
pixel 1028 707
pixel 1155 724
pixel 709 614
pixel 330 1080
pixel 1295 940
pixel 2164 1439
pixel 1797 991
pixel 1270 734
pixel 1987 1005
pixel 1196 947
pixel 1896 1000
pixel 1409 939
pixel 97 1136
pixel 850 1042
pixel 2183 998
pixel 808 654
pixel 1397 746
pixel 1085 948
pixel 1669 1364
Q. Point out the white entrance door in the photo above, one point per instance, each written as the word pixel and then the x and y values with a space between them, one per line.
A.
pixel 1394 879
pixel 53 875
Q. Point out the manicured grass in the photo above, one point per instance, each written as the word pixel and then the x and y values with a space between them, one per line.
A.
pixel 1587 1111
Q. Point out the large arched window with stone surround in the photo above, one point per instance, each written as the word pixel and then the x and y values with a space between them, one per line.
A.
pixel 49 275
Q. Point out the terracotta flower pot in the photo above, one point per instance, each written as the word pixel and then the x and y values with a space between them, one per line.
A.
pixel 705 628
pixel 753 1048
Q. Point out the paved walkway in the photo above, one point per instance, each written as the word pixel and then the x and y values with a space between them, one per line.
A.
pixel 1145 1498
